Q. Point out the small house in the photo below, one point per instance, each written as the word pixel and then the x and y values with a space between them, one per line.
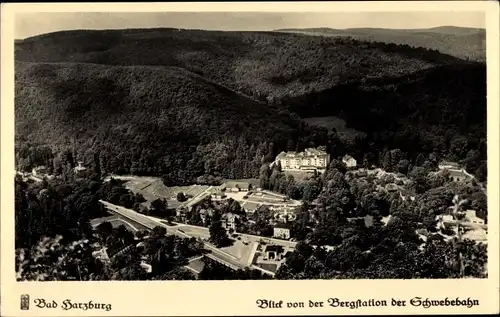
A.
pixel 218 195
pixel 471 217
pixel 236 186
pixel 448 165
pixel 101 255
pixel 229 221
pixel 459 175
pixel 391 187
pixel 274 252
pixel 445 218
pixel 349 161
pixel 146 267
pixel 282 231
pixel 80 170
pixel 39 171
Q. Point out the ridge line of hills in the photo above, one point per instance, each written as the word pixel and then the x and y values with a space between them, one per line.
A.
pixel 462 42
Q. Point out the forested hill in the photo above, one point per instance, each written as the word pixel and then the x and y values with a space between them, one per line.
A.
pixel 189 102
pixel 258 64
pixel 148 120
pixel 466 43
pixel 428 111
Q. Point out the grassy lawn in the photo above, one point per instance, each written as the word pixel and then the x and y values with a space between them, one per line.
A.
pixel 268 266
pixel 331 122
pixel 252 181
pixel 299 176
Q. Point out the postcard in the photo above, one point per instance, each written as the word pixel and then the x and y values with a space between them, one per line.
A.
pixel 249 158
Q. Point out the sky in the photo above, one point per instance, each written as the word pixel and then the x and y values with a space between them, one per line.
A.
pixel 30 24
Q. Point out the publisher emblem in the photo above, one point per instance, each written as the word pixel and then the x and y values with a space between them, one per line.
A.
pixel 25 302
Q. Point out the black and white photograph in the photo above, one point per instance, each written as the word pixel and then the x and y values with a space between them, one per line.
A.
pixel 161 146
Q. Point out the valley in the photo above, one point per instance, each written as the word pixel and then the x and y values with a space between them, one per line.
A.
pixel 253 155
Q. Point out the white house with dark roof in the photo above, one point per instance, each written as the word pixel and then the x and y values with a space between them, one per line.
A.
pixel 281 230
pixel 309 160
pixel 460 175
pixel 457 173
pixel 349 161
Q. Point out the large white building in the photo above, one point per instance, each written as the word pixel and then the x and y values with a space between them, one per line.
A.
pixel 457 173
pixel 309 160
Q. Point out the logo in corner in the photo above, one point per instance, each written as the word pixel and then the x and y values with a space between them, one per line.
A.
pixel 25 302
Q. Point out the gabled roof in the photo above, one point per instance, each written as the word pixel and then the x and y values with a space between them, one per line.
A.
pixel 281 155
pixel 447 163
pixel 281 225
pixel 457 173
pixel 275 248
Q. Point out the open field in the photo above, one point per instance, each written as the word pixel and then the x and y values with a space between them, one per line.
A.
pixel 249 206
pixel 252 181
pixel 299 176
pixel 116 221
pixel 272 267
pixel 153 188
pixel 331 122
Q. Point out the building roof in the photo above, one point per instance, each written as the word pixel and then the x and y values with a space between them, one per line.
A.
pixel 308 153
pixel 229 216
pixel 313 151
pixel 457 173
pixel 282 225
pixel 275 248
pixel 347 157
pixel 391 187
pixel 445 217
pixel 471 214
pixel 446 163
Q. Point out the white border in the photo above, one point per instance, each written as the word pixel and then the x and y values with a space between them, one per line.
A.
pixel 238 297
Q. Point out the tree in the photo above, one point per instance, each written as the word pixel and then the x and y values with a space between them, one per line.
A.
pixel 235 207
pixel 481 172
pixel 181 197
pixel 457 214
pixel 159 208
pixel 420 179
pixel 264 176
pixel 311 190
pixel 218 234
pixel 105 228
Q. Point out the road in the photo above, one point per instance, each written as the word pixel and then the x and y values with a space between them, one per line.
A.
pixel 198 231
pixel 197 198
pixel 149 222
pixel 116 221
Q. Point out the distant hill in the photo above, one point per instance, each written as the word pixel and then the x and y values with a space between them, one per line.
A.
pixel 146 119
pixel 465 43
pixel 258 64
